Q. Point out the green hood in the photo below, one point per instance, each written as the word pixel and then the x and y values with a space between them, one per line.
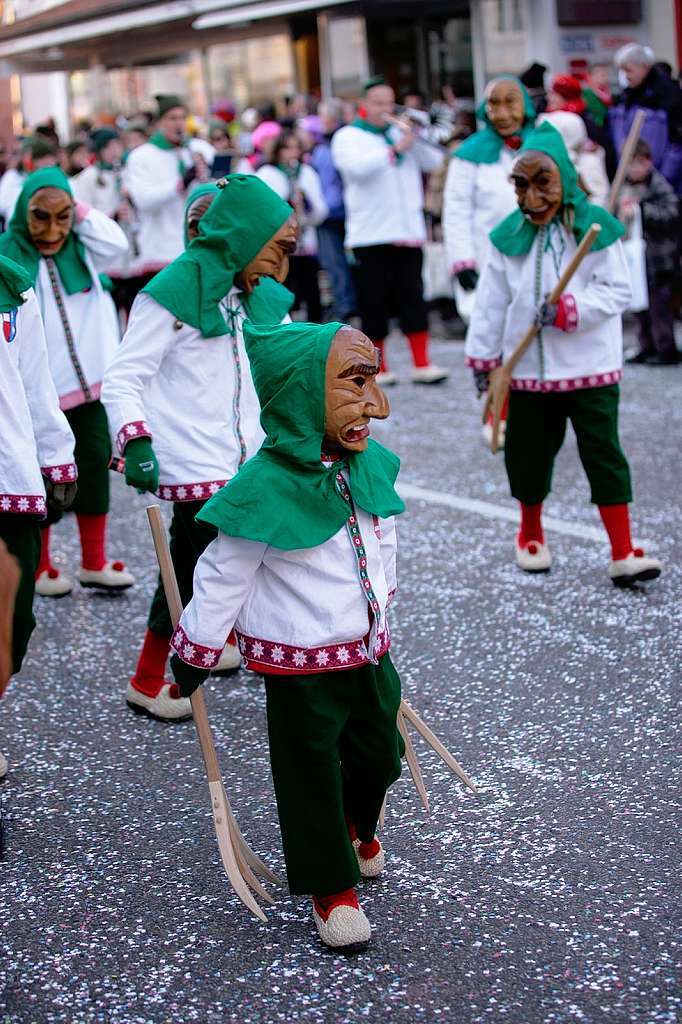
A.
pixel 515 235
pixel 18 245
pixel 484 146
pixel 209 188
pixel 14 281
pixel 244 217
pixel 284 495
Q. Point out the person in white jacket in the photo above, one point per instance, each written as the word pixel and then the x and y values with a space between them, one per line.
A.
pixel 382 168
pixel 299 185
pixel 304 568
pixel 181 402
pixel 573 369
pixel 588 157
pixel 37 464
pixel 63 246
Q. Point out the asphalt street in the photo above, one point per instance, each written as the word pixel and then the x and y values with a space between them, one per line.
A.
pixel 553 896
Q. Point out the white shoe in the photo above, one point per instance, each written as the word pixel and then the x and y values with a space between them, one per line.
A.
pixel 163 706
pixel 3 766
pixel 53 583
pixel 429 374
pixel 487 433
pixel 636 568
pixel 112 576
pixel 229 662
pixel 386 378
pixel 535 557
pixel 370 867
pixel 345 928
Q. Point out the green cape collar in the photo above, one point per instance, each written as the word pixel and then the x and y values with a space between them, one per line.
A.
pixel 485 146
pixel 14 282
pixel 285 496
pixel 515 235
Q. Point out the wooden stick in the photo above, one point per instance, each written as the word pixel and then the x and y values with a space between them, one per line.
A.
pixel 433 741
pixel 231 843
pixel 412 762
pixel 627 153
pixel 500 378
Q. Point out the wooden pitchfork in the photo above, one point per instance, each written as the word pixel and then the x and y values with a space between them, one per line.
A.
pixel 501 376
pixel 240 862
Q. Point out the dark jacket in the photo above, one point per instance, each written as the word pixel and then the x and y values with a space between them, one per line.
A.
pixel 660 225
pixel 660 97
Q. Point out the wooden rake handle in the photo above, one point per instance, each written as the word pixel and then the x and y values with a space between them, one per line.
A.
pixel 500 379
pixel 223 819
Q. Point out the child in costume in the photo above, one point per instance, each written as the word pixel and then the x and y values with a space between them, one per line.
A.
pixel 37 463
pixel 179 395
pixel 572 371
pixel 303 567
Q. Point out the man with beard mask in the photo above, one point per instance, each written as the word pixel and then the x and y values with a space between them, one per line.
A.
pixel 573 369
pixel 181 402
pixel 304 568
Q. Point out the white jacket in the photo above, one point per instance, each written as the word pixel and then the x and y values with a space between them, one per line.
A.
pixel 193 396
pixel 588 354
pixel 308 181
pixel 297 611
pixel 36 438
pixel 475 199
pixel 153 180
pixel 11 185
pixel 91 313
pixel 384 196
pixel 98 187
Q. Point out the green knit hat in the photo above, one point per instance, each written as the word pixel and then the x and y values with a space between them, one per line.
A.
pixel 168 101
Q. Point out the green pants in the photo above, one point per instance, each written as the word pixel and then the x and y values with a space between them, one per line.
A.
pixel 92 454
pixel 188 540
pixel 536 428
pixel 21 534
pixel 334 750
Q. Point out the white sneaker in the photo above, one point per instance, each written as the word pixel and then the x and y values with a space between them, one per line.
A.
pixel 229 662
pixel 53 583
pixel 429 374
pixel 636 568
pixel 534 557
pixel 370 867
pixel 386 378
pixel 164 707
pixel 344 927
pixel 3 766
pixel 112 576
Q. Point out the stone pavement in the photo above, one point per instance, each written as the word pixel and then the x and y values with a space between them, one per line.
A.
pixel 553 897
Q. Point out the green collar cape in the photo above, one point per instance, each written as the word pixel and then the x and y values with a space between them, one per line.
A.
pixel 18 245
pixel 14 281
pixel 484 146
pixel 240 221
pixel 515 235
pixel 284 495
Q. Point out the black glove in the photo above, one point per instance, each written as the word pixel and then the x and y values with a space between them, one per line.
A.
pixel 467 278
pixel 481 381
pixel 60 496
pixel 187 676
pixel 545 314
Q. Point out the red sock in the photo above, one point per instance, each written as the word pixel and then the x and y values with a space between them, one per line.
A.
pixel 381 345
pixel 531 524
pixel 151 665
pixel 92 530
pixel 45 565
pixel 325 904
pixel 370 849
pixel 419 343
pixel 616 519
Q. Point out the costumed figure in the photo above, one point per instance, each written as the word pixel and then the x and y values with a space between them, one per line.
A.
pixel 304 568
pixel 572 371
pixel 181 402
pixel 63 246
pixel 37 464
pixel 382 166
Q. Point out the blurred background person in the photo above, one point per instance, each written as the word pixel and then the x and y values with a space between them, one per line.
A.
pixel 75 157
pixel 588 158
pixel 36 152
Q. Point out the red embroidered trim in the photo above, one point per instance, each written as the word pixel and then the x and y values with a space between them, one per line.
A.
pixel 193 654
pixel 266 656
pixel 30 504
pixel 482 364
pixel 463 265
pixel 58 474
pixel 138 428
pixel 190 492
pixel 597 380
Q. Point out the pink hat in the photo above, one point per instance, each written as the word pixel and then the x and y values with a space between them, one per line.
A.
pixel 265 130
